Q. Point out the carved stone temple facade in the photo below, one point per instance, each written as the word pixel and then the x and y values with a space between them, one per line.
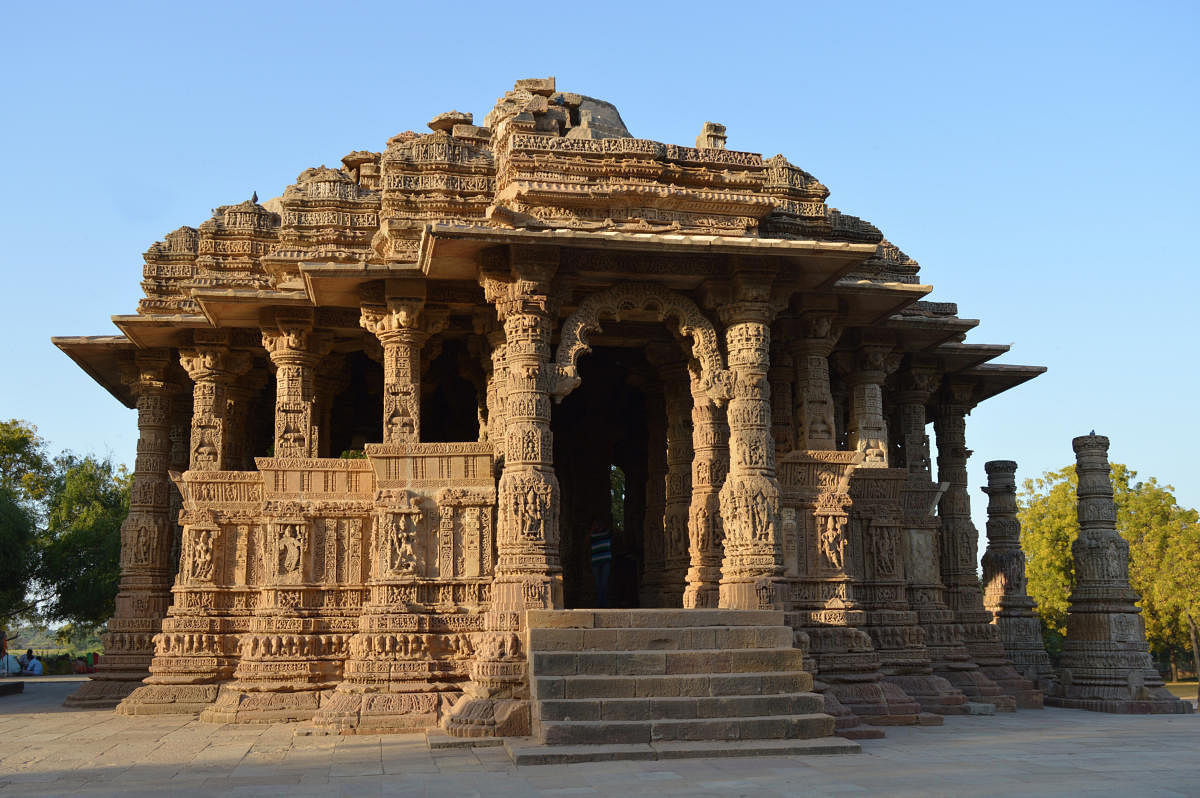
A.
pixel 380 412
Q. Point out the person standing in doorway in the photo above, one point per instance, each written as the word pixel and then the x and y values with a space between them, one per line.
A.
pixel 601 538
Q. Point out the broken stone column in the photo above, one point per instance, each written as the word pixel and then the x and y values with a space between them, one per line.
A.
pixel 1106 665
pixel 1004 583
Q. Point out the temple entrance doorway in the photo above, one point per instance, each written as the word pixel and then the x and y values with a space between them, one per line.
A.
pixel 600 457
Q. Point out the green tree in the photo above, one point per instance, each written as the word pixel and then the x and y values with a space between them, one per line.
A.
pixel 25 473
pixel 79 548
pixel 16 554
pixel 60 532
pixel 1164 553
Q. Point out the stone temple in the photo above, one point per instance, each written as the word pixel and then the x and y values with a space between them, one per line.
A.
pixel 380 413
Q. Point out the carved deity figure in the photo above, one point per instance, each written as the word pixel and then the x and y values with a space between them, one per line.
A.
pixel 833 541
pixel 289 549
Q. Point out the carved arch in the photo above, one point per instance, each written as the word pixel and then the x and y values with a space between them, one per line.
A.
pixel 667 304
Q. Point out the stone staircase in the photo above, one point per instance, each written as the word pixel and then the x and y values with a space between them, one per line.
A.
pixel 659 684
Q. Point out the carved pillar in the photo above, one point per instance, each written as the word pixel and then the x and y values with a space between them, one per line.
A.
pixel 402 328
pixel 814 423
pixel 710 463
pixel 528 568
pixel 672 368
pixel 214 369
pixel 959 548
pixel 147 535
pixel 651 586
pixel 332 379
pixel 753 559
pixel 926 594
pixel 1004 592
pixel 864 371
pixel 1106 665
pixel 496 384
pixel 295 350
pixel 781 376
pixel 181 438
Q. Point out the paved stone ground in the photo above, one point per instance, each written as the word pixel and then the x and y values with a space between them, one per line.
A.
pixel 48 750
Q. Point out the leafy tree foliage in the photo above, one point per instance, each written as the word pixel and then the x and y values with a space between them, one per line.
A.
pixel 60 531
pixel 79 548
pixel 1164 552
pixel 16 548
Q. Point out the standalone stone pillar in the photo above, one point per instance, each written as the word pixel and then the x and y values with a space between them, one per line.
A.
pixel 1106 665
pixel 1004 578
pixel 147 537
pixel 753 565
pixel 710 463
pixel 959 551
pixel 528 568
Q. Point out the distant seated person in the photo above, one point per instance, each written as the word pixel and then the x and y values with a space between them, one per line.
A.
pixel 79 665
pixel 26 658
pixel 33 667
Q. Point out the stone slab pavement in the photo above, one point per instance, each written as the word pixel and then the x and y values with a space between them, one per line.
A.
pixel 48 750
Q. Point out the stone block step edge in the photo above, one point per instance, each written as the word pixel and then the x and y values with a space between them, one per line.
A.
pixel 678 707
pixel 697 685
pixel 649 618
pixel 658 662
pixel 657 638
pixel 811 726
pixel 523 751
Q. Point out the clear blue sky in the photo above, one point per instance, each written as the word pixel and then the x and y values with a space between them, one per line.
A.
pixel 1039 160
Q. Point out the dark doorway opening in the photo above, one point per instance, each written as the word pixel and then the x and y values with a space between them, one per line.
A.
pixel 600 458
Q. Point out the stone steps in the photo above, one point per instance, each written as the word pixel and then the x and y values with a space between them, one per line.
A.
pixel 651 684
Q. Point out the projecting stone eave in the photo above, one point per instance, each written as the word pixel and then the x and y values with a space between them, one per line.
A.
pixel 102 357
pixel 159 330
pixel 450 251
pixel 995 378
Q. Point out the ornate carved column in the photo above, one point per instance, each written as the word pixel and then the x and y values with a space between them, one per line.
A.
pixel 710 463
pixel 147 535
pixel 295 350
pixel 814 424
pixel 402 327
pixel 959 542
pixel 1106 665
pixel 781 376
pixel 651 586
pixel 926 593
pixel 1004 592
pixel 332 379
pixel 678 496
pixel 496 384
pixel 528 569
pixel 750 497
pixel 213 368
pixel 865 370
